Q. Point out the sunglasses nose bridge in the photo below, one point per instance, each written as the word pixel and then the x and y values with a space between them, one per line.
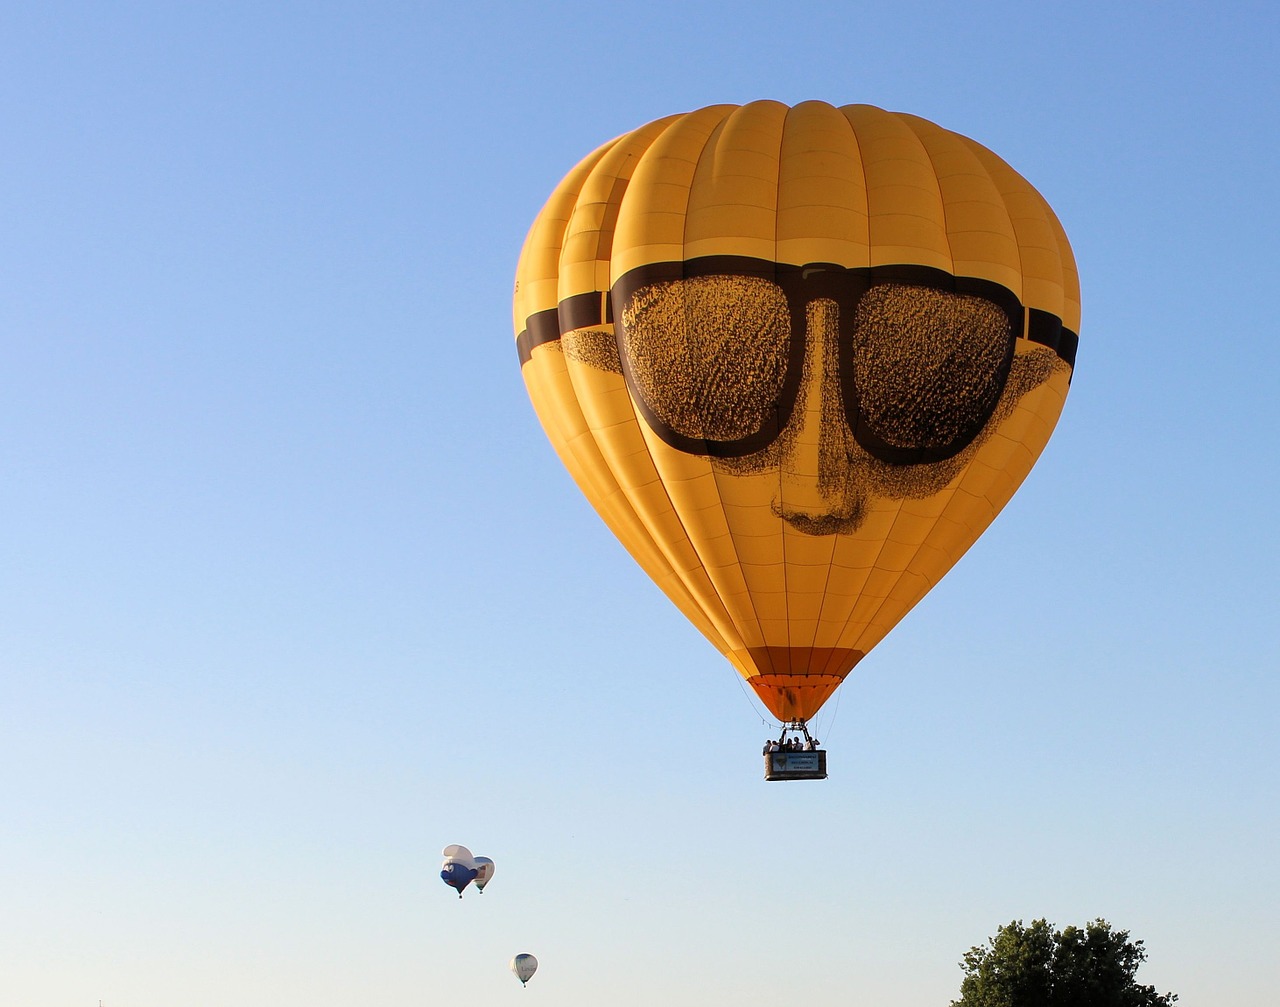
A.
pixel 815 447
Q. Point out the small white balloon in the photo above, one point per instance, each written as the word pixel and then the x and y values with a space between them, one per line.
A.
pixel 484 872
pixel 524 966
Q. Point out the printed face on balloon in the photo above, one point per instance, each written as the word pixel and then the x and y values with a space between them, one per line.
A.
pixel 826 386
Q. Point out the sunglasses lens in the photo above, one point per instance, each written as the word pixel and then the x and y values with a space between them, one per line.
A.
pixel 928 370
pixel 708 355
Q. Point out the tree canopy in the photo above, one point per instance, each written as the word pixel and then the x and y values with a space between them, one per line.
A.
pixel 1039 966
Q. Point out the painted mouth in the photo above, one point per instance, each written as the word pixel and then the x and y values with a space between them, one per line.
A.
pixel 822 524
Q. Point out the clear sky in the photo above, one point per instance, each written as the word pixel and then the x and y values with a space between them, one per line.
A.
pixel 293 591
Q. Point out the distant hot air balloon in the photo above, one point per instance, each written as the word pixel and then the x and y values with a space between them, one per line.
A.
pixel 484 872
pixel 798 359
pixel 460 868
pixel 457 876
pixel 524 966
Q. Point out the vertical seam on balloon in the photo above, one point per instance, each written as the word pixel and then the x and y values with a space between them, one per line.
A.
pixel 954 489
pixel 681 575
pixel 708 150
pixel 618 186
pixel 910 125
pixel 640 515
pixel 594 157
pixel 831 558
pixel 898 507
pixel 978 152
pixel 560 237
pixel 711 139
pixel 786 596
pixel 866 209
pixel 937 184
pixel 968 471
pixel 1065 256
pixel 728 616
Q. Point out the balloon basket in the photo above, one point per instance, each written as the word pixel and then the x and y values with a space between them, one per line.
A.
pixel 794 759
pixel 796 765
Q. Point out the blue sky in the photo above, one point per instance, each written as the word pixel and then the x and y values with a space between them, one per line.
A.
pixel 293 591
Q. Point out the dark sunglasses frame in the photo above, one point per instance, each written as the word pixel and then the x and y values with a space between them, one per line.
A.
pixel 802 285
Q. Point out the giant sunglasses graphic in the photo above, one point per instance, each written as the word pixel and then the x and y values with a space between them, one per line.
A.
pixel 718 351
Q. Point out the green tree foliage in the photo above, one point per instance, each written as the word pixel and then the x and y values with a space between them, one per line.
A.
pixel 1038 966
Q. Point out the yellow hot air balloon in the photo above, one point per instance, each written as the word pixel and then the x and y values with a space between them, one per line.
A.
pixel 798 358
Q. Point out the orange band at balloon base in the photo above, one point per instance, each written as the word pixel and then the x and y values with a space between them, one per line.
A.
pixel 794 697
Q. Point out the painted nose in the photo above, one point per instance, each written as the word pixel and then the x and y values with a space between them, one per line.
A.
pixel 816 493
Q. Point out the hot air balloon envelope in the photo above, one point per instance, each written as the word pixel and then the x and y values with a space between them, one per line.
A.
pixel 484 872
pixel 797 358
pixel 457 876
pixel 524 966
